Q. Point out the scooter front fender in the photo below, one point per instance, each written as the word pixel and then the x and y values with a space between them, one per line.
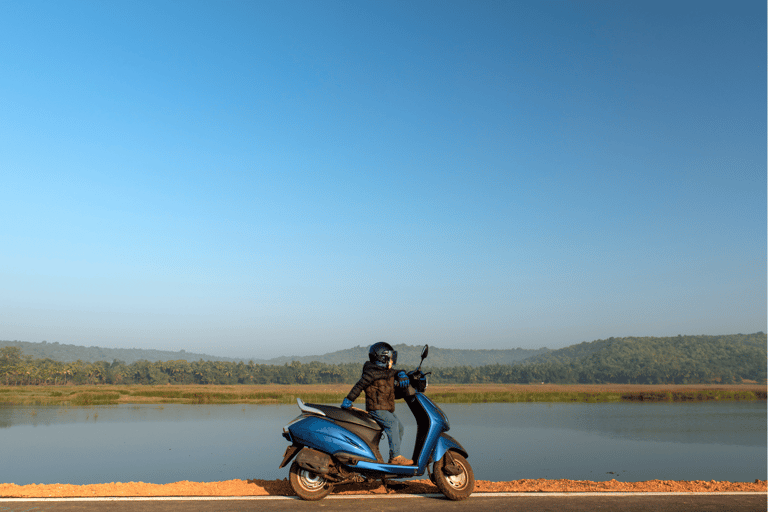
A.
pixel 445 443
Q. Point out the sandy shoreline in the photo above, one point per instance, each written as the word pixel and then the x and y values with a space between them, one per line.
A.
pixel 282 488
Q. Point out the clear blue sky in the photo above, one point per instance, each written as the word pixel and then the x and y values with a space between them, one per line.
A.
pixel 266 178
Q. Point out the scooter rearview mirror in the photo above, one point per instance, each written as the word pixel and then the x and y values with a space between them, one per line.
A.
pixel 424 353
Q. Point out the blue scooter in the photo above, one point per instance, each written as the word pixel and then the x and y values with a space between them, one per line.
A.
pixel 334 446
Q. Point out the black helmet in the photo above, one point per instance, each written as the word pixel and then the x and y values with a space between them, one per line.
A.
pixel 382 352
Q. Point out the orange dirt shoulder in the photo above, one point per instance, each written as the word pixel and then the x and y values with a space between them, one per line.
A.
pixel 282 488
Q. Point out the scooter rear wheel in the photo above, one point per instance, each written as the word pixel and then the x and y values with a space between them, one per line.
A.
pixel 454 487
pixel 308 485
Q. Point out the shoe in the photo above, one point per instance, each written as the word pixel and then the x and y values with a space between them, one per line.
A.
pixel 401 461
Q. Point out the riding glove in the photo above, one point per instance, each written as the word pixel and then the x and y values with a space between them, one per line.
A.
pixel 346 404
pixel 402 379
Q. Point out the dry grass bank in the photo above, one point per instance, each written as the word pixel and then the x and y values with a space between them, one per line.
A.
pixel 331 393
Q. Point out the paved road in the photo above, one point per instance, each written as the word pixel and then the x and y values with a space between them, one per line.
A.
pixel 494 503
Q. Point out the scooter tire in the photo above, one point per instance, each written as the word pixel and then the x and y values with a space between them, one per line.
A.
pixel 454 487
pixel 308 485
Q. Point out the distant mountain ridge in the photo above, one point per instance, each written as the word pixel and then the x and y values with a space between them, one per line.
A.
pixel 407 355
pixel 69 353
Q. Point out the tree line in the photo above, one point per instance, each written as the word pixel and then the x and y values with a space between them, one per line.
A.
pixel 670 360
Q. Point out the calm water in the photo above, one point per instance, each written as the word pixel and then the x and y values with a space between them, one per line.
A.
pixel 168 443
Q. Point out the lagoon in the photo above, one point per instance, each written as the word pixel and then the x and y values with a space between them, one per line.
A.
pixel 505 441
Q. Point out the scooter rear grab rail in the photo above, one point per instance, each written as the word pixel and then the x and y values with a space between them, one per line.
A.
pixel 305 408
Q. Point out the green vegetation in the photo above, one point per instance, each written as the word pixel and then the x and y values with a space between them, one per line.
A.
pixel 94 399
pixel 674 360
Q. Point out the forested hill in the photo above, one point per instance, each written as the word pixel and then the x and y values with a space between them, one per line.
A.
pixel 724 358
pixel 700 348
pixel 408 356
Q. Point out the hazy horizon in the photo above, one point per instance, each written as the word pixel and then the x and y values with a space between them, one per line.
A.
pixel 292 178
pixel 255 357
pixel 248 357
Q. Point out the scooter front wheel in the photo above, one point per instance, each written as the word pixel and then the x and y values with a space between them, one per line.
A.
pixel 454 477
pixel 308 485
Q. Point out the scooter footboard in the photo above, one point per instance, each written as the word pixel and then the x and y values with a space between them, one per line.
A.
pixel 445 443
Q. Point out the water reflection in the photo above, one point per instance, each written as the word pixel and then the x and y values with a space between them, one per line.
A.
pixel 735 423
pixel 630 442
pixel 167 443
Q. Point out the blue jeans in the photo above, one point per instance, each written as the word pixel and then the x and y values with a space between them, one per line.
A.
pixel 393 427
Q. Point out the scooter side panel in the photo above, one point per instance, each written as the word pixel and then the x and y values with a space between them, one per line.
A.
pixel 326 436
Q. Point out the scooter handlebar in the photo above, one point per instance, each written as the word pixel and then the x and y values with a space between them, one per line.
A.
pixel 418 379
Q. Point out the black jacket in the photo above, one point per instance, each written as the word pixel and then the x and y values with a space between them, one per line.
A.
pixel 379 386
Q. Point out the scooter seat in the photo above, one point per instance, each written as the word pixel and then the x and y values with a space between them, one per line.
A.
pixel 357 417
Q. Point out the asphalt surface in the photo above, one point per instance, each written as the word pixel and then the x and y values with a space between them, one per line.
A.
pixel 559 502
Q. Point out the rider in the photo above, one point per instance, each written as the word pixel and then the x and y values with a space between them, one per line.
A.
pixel 378 383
